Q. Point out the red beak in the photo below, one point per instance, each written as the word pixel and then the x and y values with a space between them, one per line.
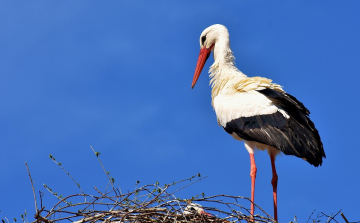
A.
pixel 203 56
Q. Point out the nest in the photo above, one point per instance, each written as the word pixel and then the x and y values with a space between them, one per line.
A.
pixel 150 203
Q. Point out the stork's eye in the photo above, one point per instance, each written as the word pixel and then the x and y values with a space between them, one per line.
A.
pixel 203 40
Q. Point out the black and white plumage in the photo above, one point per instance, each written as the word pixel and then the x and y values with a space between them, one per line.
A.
pixel 255 110
pixel 292 134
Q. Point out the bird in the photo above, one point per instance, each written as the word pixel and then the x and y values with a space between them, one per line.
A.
pixel 192 208
pixel 256 111
pixel 197 209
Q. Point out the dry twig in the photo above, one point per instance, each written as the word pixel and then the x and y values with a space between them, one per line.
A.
pixel 32 185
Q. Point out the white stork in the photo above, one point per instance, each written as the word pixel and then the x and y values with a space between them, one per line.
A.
pixel 255 110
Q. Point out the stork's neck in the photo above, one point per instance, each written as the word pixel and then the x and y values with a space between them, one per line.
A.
pixel 223 69
pixel 222 51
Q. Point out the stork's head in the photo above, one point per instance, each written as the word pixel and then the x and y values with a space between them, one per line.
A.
pixel 208 39
pixel 193 208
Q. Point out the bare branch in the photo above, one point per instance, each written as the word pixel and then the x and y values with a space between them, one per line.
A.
pixel 32 185
pixel 60 165
pixel 106 173
pixel 342 215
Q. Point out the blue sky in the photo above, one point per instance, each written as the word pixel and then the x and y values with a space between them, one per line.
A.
pixel 116 75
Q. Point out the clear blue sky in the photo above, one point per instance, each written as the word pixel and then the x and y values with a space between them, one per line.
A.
pixel 116 75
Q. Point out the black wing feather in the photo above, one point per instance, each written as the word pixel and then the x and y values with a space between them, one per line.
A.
pixel 296 135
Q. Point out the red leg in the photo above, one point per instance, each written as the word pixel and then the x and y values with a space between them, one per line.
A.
pixel 274 182
pixel 253 176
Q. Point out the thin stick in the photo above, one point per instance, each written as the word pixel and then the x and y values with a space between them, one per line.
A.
pixel 189 183
pixel 59 164
pixel 310 216
pixel 32 185
pixel 342 215
pixel 103 168
pixel 331 217
pixel 41 194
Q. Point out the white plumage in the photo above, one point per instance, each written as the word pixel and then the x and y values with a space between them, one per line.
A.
pixel 243 104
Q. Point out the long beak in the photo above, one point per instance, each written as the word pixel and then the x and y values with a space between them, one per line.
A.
pixel 203 56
